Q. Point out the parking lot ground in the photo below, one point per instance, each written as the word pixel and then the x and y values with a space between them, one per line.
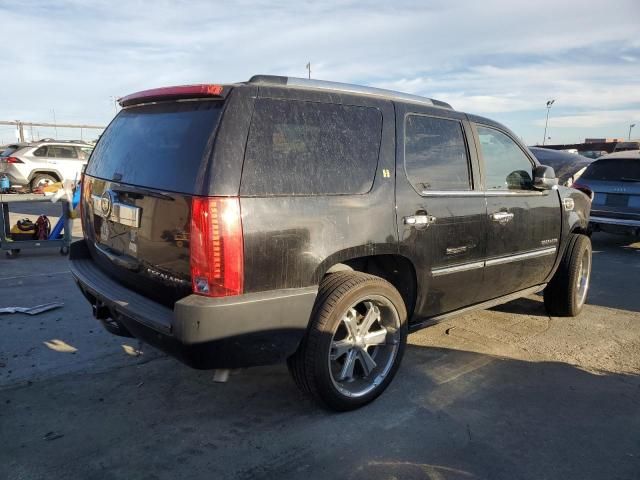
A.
pixel 507 393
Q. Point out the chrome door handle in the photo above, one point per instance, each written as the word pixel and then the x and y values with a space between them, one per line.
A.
pixel 419 220
pixel 501 217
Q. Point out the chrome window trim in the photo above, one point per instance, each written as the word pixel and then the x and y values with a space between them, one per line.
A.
pixel 542 252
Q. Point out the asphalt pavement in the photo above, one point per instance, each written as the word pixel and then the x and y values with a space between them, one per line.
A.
pixel 508 393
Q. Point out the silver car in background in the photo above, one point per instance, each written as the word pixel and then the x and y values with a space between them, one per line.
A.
pixel 614 180
pixel 36 164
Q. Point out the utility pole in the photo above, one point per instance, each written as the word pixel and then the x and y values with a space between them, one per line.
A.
pixel 114 99
pixel 630 127
pixel 308 67
pixel 549 103
pixel 20 131
pixel 55 122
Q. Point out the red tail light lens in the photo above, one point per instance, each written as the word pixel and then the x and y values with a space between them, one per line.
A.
pixel 217 250
pixel 13 160
pixel 584 189
pixel 85 198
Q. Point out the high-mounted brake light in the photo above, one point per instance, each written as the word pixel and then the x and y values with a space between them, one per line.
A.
pixel 13 160
pixel 167 93
pixel 216 243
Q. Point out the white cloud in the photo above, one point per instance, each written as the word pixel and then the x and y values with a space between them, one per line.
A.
pixel 593 119
pixel 484 57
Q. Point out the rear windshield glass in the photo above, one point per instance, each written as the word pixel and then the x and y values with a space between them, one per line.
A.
pixel 306 148
pixel 157 146
pixel 619 169
pixel 8 150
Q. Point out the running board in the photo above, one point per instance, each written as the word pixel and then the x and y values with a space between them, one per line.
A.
pixel 478 306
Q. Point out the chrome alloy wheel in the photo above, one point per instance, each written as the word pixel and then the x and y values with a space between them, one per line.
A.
pixel 364 346
pixel 584 273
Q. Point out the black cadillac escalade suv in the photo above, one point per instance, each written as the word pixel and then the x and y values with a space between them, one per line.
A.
pixel 316 223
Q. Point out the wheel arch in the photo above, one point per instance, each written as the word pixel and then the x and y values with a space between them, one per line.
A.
pixel 394 268
pixel 53 173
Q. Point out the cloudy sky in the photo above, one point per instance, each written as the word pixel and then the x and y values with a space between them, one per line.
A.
pixel 502 59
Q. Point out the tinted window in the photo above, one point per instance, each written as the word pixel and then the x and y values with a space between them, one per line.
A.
pixel 62 152
pixel 614 169
pixel 41 152
pixel 158 146
pixel 8 150
pixel 435 154
pixel 305 148
pixel 83 152
pixel 506 165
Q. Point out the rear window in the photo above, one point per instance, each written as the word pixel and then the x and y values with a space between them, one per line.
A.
pixel 618 169
pixel 8 150
pixel 307 148
pixel 62 152
pixel 157 146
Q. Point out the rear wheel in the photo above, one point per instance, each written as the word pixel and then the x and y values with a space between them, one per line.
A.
pixel 566 293
pixel 42 180
pixel 355 342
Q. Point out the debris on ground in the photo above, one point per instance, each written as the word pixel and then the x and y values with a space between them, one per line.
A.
pixel 52 436
pixel 45 307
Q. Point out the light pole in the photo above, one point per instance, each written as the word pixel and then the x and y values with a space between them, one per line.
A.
pixel 630 127
pixel 549 103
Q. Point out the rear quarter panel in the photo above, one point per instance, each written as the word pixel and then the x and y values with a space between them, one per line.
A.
pixel 575 220
pixel 291 241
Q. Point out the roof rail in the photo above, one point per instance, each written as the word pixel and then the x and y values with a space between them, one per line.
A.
pixel 346 88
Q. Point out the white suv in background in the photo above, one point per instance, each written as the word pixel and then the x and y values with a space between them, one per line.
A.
pixel 47 161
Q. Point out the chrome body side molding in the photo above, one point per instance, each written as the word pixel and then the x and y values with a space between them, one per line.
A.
pixel 542 252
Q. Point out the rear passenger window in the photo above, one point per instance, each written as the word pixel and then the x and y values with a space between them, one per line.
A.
pixel 435 154
pixel 41 152
pixel 62 152
pixel 306 148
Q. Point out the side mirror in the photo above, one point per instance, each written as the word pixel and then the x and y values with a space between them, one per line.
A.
pixel 544 178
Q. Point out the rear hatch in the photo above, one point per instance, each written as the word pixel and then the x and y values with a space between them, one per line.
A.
pixel 138 190
pixel 616 186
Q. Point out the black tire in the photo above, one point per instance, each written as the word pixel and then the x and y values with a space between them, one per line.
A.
pixel 310 365
pixel 563 296
pixel 41 178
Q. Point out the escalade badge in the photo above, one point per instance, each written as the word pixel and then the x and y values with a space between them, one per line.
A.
pixel 106 203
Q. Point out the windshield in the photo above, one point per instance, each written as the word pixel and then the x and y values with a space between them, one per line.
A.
pixel 157 146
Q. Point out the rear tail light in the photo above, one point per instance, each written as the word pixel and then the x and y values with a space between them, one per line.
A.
pixel 12 160
pixel 216 242
pixel 84 199
pixel 584 189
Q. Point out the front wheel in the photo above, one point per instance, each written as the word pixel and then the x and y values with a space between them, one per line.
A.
pixel 566 293
pixel 355 342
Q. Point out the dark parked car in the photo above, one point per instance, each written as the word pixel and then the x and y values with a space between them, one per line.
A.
pixel 615 182
pixel 317 223
pixel 568 166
